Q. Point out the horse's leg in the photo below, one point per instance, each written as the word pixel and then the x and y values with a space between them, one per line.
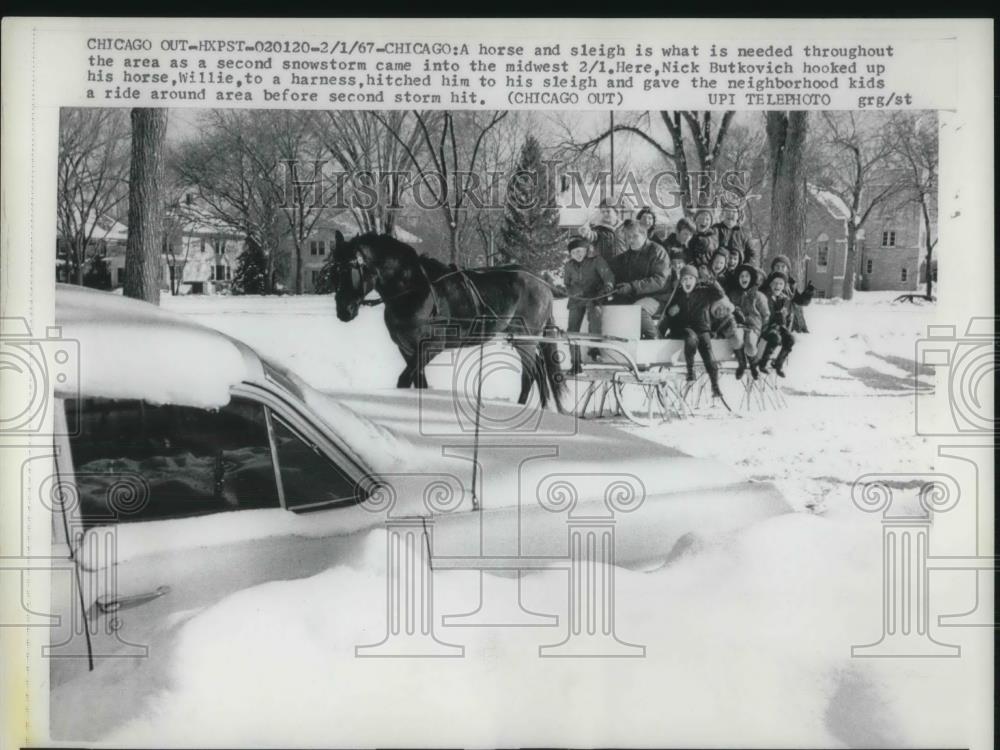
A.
pixel 406 376
pixel 425 353
pixel 531 372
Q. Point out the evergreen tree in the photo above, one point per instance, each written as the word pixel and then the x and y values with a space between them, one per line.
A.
pixel 530 234
pixel 97 275
pixel 250 276
pixel 326 284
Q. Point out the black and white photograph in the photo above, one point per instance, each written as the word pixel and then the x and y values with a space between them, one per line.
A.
pixel 501 426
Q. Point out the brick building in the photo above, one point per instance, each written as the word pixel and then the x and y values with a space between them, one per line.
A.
pixel 892 254
pixel 889 252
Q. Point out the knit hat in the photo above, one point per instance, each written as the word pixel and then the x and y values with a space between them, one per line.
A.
pixel 721 251
pixel 778 275
pixel 701 211
pixel 578 242
pixel 781 259
pixel 689 270
pixel 685 223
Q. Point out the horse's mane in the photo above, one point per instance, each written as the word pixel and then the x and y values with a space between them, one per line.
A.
pixel 433 267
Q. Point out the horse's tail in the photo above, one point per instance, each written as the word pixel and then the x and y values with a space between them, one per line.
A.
pixel 551 380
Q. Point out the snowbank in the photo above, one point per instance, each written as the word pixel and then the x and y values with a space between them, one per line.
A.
pixel 184 363
pixel 759 656
pixel 747 636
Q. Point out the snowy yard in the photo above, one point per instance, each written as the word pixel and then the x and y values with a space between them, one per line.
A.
pixel 748 638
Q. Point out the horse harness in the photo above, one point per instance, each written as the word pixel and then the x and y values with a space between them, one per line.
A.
pixel 480 304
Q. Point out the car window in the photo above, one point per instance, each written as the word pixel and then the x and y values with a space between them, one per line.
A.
pixel 134 461
pixel 308 478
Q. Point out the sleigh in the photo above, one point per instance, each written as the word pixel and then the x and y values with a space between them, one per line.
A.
pixel 644 380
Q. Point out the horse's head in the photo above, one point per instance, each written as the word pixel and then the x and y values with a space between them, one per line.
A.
pixel 354 274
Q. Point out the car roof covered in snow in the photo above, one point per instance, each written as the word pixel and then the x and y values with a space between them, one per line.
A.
pixel 132 349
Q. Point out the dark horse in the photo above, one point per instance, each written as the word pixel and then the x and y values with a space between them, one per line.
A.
pixel 430 306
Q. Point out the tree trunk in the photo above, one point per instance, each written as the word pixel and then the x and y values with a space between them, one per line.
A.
pixel 145 206
pixel 929 279
pixel 786 136
pixel 851 266
pixel 78 266
pixel 929 244
pixel 298 268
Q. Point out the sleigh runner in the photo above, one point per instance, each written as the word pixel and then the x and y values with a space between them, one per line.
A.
pixel 644 380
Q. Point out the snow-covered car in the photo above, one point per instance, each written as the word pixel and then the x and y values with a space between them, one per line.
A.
pixel 192 468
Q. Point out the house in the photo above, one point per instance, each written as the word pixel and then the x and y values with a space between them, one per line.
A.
pixel 107 238
pixel 323 239
pixel 889 246
pixel 199 253
pixel 893 255
pixel 198 257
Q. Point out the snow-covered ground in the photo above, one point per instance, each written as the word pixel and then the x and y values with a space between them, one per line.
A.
pixel 748 638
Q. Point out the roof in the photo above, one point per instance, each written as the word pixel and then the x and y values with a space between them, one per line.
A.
pixel 830 202
pixel 119 357
pixel 102 227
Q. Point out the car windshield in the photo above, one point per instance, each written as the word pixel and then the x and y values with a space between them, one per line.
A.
pixel 284 379
pixel 356 434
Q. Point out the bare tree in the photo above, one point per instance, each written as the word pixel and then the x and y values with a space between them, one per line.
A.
pixel 448 171
pixel 238 166
pixel 91 180
pixel 915 136
pixel 786 140
pixel 294 145
pixel 704 138
pixel 145 204
pixel 745 156
pixel 373 159
pixel 860 170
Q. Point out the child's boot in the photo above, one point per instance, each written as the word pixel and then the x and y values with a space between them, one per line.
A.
pixel 762 363
pixel 779 362
pixel 753 368
pixel 713 377
pixel 741 363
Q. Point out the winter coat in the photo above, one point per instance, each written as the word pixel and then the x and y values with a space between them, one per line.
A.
pixel 673 245
pixel 693 309
pixel 608 242
pixel 701 247
pixel 802 298
pixel 752 303
pixel 645 271
pixel 736 240
pixel 588 278
pixel 660 236
pixel 780 306
pixel 727 280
